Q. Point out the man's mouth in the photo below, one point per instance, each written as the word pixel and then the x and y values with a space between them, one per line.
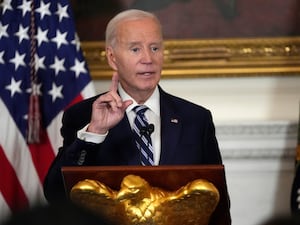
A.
pixel 148 73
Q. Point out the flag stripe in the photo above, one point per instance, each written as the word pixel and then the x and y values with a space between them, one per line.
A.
pixel 42 159
pixel 88 90
pixel 53 131
pixel 5 210
pixel 14 197
pixel 18 155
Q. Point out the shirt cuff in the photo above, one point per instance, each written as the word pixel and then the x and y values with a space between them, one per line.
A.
pixel 90 137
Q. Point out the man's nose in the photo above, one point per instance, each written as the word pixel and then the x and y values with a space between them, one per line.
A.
pixel 147 56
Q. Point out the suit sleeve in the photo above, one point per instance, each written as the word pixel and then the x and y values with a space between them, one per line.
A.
pixel 74 152
pixel 295 194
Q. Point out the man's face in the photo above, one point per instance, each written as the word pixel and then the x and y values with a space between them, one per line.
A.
pixel 137 55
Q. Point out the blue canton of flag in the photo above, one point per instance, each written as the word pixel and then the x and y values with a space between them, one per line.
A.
pixel 62 79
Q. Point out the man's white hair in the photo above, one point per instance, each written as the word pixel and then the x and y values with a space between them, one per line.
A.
pixel 130 14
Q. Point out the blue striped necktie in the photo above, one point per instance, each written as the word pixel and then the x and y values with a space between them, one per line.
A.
pixel 142 135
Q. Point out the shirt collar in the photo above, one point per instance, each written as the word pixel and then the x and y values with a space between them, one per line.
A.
pixel 152 102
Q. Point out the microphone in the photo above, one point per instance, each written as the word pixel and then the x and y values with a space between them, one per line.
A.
pixel 148 130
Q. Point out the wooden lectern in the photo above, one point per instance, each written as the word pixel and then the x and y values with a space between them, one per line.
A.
pixel 169 178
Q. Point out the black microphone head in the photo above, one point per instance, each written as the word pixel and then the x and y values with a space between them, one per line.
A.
pixel 143 131
pixel 150 128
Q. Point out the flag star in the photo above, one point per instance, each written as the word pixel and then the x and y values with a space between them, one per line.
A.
pixel 62 12
pixel 58 65
pixel 25 7
pixel 44 9
pixel 6 5
pixel 1 57
pixel 55 92
pixel 18 60
pixel 14 87
pixel 22 33
pixel 3 30
pixel 76 42
pixel 25 117
pixel 42 36
pixel 39 62
pixel 78 67
pixel 60 38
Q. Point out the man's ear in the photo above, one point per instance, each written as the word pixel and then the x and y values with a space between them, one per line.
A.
pixel 111 58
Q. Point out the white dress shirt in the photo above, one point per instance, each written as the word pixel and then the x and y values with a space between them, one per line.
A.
pixel 152 115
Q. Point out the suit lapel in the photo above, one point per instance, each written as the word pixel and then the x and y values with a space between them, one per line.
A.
pixel 170 129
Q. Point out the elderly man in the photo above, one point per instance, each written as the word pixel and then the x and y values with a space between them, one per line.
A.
pixel 136 122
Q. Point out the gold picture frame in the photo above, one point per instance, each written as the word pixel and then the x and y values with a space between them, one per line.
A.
pixel 214 57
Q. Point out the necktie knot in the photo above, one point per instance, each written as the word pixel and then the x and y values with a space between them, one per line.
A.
pixel 140 110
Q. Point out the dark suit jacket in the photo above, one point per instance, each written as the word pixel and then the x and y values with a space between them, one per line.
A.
pixel 187 138
pixel 295 195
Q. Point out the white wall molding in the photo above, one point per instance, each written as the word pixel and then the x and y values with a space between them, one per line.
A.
pixel 272 139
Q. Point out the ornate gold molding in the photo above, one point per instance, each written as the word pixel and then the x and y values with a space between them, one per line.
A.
pixel 214 57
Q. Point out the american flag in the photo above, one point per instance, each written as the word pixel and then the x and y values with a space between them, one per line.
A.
pixel 35 35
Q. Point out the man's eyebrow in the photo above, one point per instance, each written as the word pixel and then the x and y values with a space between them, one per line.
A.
pixel 134 43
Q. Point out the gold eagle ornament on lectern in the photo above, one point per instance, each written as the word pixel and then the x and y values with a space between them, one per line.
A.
pixel 137 203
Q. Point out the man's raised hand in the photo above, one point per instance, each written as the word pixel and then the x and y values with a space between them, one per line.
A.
pixel 108 109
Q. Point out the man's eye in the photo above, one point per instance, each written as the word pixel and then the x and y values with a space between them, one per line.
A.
pixel 135 49
pixel 155 49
